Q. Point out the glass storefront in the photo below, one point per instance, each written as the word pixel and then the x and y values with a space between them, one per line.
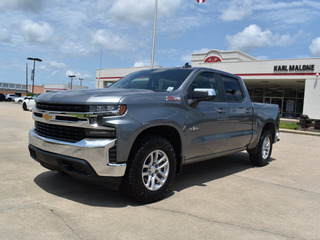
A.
pixel 290 101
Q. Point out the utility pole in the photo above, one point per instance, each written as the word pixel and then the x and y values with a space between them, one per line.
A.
pixel 154 32
pixel 34 69
pixel 71 76
pixel 26 78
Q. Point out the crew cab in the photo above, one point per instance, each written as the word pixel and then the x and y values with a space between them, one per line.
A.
pixel 139 133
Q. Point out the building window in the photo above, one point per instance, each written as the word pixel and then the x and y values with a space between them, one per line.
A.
pixel 290 101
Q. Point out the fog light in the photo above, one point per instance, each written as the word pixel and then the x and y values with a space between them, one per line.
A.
pixel 101 133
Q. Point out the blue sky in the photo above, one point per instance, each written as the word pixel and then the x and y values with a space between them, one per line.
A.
pixel 69 36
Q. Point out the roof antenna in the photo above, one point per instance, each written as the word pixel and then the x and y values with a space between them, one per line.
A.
pixel 187 65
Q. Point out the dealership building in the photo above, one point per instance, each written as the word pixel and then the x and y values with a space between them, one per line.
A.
pixel 293 84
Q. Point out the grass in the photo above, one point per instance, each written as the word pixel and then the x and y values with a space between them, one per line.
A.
pixel 289 125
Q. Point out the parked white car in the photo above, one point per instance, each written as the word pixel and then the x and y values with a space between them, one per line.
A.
pixel 29 102
pixel 19 99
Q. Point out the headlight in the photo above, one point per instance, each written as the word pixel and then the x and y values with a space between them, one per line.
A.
pixel 109 110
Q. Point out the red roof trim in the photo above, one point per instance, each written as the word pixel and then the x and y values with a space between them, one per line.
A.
pixel 275 74
pixel 109 77
pixel 55 89
pixel 246 74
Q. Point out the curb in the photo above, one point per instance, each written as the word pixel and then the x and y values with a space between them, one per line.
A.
pixel 300 132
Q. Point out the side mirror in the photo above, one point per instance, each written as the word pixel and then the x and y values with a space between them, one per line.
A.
pixel 203 94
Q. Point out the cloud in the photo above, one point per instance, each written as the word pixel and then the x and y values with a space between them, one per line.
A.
pixel 302 10
pixel 141 12
pixel 37 32
pixel 70 73
pixel 4 35
pixel 315 47
pixel 75 48
pixel 236 10
pixel 28 5
pixel 187 57
pixel 110 40
pixel 253 37
pixel 141 64
pixel 57 64
pixel 284 16
pixel 77 75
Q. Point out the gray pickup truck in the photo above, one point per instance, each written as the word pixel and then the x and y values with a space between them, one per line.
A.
pixel 138 133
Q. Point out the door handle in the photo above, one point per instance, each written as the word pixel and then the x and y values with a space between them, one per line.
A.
pixel 248 111
pixel 221 110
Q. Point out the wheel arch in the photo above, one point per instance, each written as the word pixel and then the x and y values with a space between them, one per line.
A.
pixel 271 127
pixel 268 126
pixel 168 132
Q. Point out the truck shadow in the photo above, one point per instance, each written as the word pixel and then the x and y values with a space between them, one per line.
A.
pixel 65 186
pixel 197 174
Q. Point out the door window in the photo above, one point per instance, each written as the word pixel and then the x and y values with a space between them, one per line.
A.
pixel 206 80
pixel 233 89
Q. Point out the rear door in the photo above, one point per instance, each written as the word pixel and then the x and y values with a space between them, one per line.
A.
pixel 239 117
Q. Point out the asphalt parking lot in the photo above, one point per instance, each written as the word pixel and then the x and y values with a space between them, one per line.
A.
pixel 225 198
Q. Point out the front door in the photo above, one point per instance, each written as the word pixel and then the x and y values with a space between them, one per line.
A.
pixel 206 134
pixel 207 123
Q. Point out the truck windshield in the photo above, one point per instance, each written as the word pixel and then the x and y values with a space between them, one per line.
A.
pixel 158 80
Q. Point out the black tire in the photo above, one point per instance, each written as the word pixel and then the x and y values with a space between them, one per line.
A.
pixel 141 181
pixel 261 156
pixel 24 107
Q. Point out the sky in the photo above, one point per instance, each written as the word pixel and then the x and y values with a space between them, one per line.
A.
pixel 76 37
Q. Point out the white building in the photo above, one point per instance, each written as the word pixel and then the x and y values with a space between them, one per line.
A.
pixel 293 84
pixel 59 87
pixel 105 77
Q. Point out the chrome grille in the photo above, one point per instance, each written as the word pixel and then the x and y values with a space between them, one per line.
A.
pixel 65 133
pixel 62 107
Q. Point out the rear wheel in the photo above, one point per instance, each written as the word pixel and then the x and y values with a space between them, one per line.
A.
pixel 261 155
pixel 151 170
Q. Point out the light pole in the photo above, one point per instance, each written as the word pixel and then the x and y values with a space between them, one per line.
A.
pixel 34 69
pixel 71 76
pixel 80 81
pixel 26 78
pixel 154 32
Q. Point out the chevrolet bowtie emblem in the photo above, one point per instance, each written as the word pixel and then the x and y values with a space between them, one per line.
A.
pixel 47 116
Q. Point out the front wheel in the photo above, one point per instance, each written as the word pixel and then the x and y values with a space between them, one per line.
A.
pixel 151 170
pixel 24 107
pixel 261 156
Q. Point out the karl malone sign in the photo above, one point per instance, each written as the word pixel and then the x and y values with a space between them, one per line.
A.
pixel 293 68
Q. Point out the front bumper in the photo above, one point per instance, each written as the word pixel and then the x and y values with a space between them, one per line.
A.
pixel 92 154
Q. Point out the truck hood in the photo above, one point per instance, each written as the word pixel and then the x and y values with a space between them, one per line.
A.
pixel 91 96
